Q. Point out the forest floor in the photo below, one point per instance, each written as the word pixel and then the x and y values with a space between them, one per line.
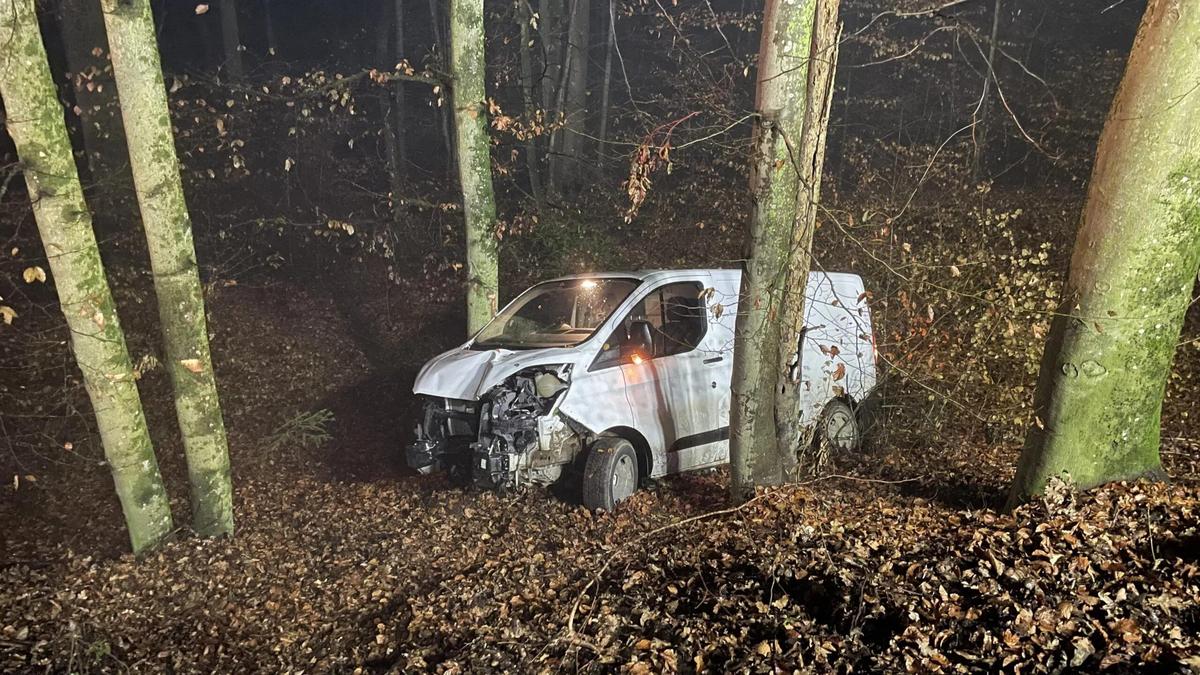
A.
pixel 344 560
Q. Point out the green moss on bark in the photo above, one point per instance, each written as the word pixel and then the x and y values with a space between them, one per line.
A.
pixel 474 159
pixel 1100 391
pixel 35 122
pixel 168 229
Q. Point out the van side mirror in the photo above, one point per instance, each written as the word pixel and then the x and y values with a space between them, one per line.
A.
pixel 639 341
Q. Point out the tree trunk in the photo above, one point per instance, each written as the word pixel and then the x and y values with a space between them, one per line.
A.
pixel 576 111
pixel 774 183
pixel 95 92
pixel 1106 364
pixel 979 130
pixel 172 259
pixel 269 20
pixel 551 30
pixel 384 57
pixel 439 39
pixel 400 123
pixel 231 41
pixel 532 165
pixel 467 66
pixel 606 87
pixel 35 122
pixel 810 156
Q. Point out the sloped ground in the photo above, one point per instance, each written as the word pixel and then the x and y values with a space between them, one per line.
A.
pixel 343 560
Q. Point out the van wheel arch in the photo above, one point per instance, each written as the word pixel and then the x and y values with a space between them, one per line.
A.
pixel 641 447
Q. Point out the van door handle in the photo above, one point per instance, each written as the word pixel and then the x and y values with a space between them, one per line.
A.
pixel 715 359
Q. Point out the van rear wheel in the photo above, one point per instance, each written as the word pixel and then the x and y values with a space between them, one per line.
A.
pixel 610 475
pixel 839 429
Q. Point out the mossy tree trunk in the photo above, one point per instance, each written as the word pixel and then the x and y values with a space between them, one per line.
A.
pixel 1099 398
pixel 173 260
pixel 809 155
pixel 775 183
pixel 35 122
pixel 474 159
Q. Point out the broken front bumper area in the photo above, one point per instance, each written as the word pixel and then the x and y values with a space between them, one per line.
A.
pixel 510 437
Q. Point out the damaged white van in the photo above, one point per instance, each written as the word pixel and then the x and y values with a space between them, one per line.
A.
pixel 626 376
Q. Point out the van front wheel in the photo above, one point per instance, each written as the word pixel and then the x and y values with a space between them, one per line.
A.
pixel 610 475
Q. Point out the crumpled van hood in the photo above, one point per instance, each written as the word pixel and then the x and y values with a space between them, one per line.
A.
pixel 466 374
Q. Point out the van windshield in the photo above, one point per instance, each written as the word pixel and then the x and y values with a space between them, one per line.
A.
pixel 555 314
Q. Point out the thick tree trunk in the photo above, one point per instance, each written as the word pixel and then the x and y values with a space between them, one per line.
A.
pixel 467 65
pixel 787 30
pixel 576 111
pixel 810 157
pixel 1106 364
pixel 172 259
pixel 89 74
pixel 35 122
pixel 231 41
pixel 532 163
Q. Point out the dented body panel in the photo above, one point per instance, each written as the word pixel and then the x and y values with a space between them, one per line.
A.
pixel 507 415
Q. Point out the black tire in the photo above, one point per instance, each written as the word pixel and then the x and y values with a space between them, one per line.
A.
pixel 610 475
pixel 839 429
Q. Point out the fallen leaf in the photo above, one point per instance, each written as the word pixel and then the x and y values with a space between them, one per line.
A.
pixel 193 365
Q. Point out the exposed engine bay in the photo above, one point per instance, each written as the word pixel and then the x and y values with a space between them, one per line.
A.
pixel 514 435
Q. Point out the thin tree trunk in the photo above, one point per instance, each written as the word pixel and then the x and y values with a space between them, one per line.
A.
pixel 607 86
pixel 979 132
pixel 552 82
pixel 231 41
pixel 532 165
pixel 173 260
pixel 269 20
pixel 774 182
pixel 576 112
pixel 383 56
pixel 443 113
pixel 399 116
pixel 467 66
pixel 35 122
pixel 810 157
pixel 1099 399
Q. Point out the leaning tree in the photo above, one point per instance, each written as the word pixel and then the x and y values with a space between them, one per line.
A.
pixel 35 122
pixel 1105 368
pixel 168 227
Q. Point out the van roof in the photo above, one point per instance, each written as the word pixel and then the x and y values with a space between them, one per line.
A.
pixel 659 274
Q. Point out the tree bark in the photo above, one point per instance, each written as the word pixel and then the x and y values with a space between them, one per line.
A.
pixel 269 20
pixel 35 122
pixel 400 123
pixel 231 40
pixel 575 113
pixel 979 130
pixel 173 260
pixel 783 61
pixel 384 57
pixel 467 66
pixel 1100 391
pixel 606 87
pixel 443 115
pixel 532 164
pixel 810 156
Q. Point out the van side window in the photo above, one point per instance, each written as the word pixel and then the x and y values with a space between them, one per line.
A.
pixel 678 321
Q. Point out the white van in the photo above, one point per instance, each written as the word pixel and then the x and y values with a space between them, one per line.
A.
pixel 627 374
